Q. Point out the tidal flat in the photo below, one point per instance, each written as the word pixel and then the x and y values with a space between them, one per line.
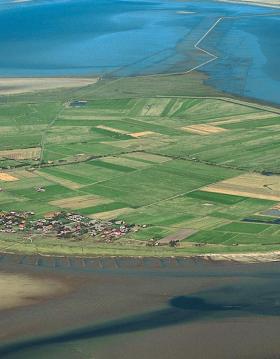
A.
pixel 235 45
pixel 150 308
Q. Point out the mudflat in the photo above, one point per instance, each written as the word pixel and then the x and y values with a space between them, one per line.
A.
pixel 10 86
pixel 153 309
pixel 18 290
pixel 272 3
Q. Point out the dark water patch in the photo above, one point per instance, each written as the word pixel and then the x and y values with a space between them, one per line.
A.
pixel 76 263
pixel 62 262
pixel 247 49
pixel 128 38
pixel 47 262
pixel 29 260
pixel 132 303
pixel 125 263
pixel 92 263
pixel 182 309
pixel 257 220
pixel 151 262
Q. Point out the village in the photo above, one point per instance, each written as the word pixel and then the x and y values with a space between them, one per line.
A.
pixel 63 225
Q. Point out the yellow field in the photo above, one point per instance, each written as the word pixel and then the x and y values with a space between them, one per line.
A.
pixel 154 107
pixel 111 214
pixel 249 185
pixel 79 202
pixel 64 182
pixel 148 157
pixel 203 129
pixel 22 153
pixel 245 117
pixel 111 129
pixel 7 178
pixel 141 134
pixel 123 161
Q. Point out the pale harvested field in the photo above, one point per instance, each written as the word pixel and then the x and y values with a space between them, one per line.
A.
pixel 111 214
pixel 111 129
pixel 178 236
pixel 7 177
pixel 89 116
pixel 203 129
pixel 21 290
pixel 61 181
pixel 79 202
pixel 249 185
pixel 177 105
pixel 240 118
pixel 22 153
pixel 123 161
pixel 201 223
pixel 27 84
pixel 21 174
pixel 155 107
pixel 217 108
pixel 142 142
pixel 148 157
pixel 142 134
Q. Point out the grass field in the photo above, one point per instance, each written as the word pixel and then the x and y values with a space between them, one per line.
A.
pixel 148 155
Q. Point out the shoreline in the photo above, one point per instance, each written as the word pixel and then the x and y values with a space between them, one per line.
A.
pixel 19 85
pixel 23 289
pixel 244 258
pixel 269 4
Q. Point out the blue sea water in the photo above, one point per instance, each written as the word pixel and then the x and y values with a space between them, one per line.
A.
pixel 134 37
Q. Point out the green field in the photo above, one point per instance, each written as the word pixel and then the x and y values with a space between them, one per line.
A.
pixel 130 153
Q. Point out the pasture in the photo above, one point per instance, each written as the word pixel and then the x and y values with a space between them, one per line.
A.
pixel 203 166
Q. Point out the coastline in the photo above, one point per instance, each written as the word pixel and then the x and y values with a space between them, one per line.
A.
pixel 269 3
pixel 164 310
pixel 244 258
pixel 18 85
pixel 21 289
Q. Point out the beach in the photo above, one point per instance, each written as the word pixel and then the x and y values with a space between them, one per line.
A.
pixel 269 3
pixel 148 311
pixel 17 85
pixel 18 290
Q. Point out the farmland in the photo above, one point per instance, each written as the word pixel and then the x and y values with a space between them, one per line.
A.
pixel 170 164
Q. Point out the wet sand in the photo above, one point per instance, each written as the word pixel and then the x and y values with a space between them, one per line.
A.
pixel 269 3
pixel 9 86
pixel 126 308
pixel 17 290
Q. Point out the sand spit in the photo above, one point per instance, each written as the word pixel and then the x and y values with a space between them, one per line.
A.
pixel 268 3
pixel 257 257
pixel 9 86
pixel 182 12
pixel 18 290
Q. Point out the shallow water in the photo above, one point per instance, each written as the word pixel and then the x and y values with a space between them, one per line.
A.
pixel 153 309
pixel 127 38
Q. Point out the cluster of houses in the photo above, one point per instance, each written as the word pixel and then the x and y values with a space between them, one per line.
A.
pixel 11 222
pixel 63 225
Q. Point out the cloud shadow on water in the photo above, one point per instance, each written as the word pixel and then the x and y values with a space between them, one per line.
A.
pixel 181 309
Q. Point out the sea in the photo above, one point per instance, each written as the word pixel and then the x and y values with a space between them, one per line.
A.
pixel 236 45
pixel 152 308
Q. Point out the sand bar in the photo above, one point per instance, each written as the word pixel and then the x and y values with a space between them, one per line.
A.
pixel 269 3
pixel 21 289
pixel 9 86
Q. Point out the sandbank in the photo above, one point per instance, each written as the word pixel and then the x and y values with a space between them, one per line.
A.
pixel 18 290
pixel 268 3
pixel 12 85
